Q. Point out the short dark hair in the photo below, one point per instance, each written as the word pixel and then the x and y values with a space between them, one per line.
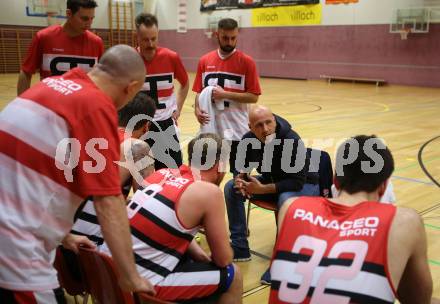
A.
pixel 146 19
pixel 353 177
pixel 74 5
pixel 227 24
pixel 141 104
pixel 207 150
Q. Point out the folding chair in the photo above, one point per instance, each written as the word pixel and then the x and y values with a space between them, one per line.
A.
pixel 272 206
pixel 102 281
pixel 69 274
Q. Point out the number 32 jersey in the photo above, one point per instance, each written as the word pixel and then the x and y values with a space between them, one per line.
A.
pixel 330 253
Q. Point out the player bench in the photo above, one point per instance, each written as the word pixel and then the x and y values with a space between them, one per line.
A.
pixel 378 82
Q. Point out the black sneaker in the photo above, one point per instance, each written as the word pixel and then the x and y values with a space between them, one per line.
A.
pixel 241 255
pixel 265 278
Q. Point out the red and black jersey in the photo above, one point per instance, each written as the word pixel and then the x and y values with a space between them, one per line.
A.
pixel 159 81
pixel 236 73
pixel 53 52
pixel 159 238
pixel 331 253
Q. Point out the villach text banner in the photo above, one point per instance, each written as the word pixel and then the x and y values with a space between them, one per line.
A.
pixel 287 15
pixel 340 1
pixel 210 5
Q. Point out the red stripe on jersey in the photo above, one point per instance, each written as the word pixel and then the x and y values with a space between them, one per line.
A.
pixel 165 92
pixel 85 120
pixel 35 160
pixel 24 264
pixel 171 293
pixel 157 234
pixel 31 211
pixel 24 297
pixel 273 296
pixel 161 176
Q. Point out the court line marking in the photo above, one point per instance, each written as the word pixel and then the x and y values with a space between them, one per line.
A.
pixel 414 180
pixel 422 164
pixel 434 262
pixel 432 226
pixel 363 115
pixel 254 290
pixel 318 107
pixel 430 160
pixel 429 209
pixel 260 255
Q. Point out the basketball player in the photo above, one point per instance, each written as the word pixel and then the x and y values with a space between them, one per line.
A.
pixel 40 190
pixel 235 77
pixel 163 66
pixel 135 120
pixel 351 249
pixel 86 222
pixel 57 49
pixel 166 215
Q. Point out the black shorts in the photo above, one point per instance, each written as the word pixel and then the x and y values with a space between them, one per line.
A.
pixel 193 281
pixel 166 153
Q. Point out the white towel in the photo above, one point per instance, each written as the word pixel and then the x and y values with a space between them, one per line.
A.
pixel 205 104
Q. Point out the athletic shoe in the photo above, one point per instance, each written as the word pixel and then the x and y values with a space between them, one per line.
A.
pixel 241 255
pixel 265 278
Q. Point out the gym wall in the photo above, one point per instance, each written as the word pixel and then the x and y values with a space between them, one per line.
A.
pixel 353 40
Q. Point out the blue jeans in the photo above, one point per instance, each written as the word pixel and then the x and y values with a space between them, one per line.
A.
pixel 236 211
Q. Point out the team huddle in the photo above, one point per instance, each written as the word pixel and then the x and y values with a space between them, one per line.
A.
pixel 91 157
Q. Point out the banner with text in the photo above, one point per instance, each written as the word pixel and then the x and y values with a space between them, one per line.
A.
pixel 210 5
pixel 287 15
pixel 340 1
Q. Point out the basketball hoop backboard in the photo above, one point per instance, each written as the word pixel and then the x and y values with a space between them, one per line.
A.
pixel 46 8
pixel 212 23
pixel 410 20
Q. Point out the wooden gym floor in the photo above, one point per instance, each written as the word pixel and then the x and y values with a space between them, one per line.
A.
pixel 406 117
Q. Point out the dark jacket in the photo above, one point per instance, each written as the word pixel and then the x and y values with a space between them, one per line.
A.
pixel 283 181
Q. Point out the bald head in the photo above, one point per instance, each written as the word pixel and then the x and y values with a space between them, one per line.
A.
pixel 120 73
pixel 141 155
pixel 136 160
pixel 261 122
pixel 258 111
pixel 123 64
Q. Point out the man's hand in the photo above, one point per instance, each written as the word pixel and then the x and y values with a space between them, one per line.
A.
pixel 72 242
pixel 218 93
pixel 197 253
pixel 202 116
pixel 239 184
pixel 24 82
pixel 176 115
pixel 253 186
pixel 137 284
pixel 202 257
